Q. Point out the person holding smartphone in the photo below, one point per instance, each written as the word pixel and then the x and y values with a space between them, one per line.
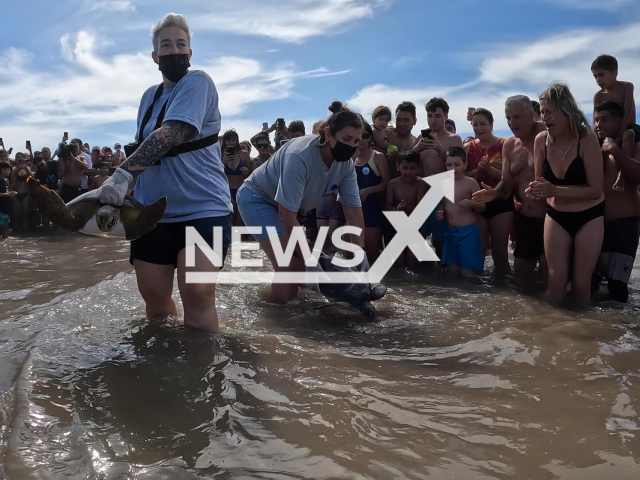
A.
pixel 177 155
pixel 433 145
pixel 21 202
pixel 72 165
pixel 237 167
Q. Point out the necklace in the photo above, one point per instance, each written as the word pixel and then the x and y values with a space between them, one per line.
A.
pixel 564 155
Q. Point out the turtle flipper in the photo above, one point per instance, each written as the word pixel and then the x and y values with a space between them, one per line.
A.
pixel 137 223
pixel 52 206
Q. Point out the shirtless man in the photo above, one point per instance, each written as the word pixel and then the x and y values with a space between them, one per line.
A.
pixel 401 136
pixel 21 202
pixel 71 172
pixel 517 173
pixel 622 208
pixel 433 153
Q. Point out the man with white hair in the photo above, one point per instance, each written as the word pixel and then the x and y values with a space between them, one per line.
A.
pixel 517 173
pixel 177 156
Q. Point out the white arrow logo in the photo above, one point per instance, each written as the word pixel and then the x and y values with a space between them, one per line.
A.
pixel 408 236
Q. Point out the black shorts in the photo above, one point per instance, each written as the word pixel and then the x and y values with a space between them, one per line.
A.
pixel 529 237
pixel 619 248
pixel 498 207
pixel 69 192
pixel 162 244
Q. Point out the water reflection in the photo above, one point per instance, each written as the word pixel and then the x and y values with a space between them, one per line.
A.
pixel 453 382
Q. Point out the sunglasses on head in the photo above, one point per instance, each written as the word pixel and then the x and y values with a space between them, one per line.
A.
pixel 344 115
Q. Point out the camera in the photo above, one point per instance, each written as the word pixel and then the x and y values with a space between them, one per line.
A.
pixel 130 148
pixel 65 150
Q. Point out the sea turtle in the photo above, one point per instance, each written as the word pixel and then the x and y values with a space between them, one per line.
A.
pixel 88 215
pixel 355 296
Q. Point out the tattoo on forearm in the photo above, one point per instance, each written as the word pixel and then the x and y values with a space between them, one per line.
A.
pixel 156 145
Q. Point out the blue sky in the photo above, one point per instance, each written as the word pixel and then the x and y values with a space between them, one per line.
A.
pixel 82 65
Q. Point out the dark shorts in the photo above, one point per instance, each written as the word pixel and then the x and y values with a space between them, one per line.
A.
pixel 372 211
pixel 498 207
pixel 69 192
pixel 433 227
pixel 330 210
pixel 529 237
pixel 162 244
pixel 619 248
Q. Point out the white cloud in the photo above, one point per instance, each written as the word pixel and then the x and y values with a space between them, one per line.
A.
pixel 293 21
pixel 110 5
pixel 526 69
pixel 93 91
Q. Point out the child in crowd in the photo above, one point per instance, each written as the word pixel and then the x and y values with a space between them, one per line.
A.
pixel 462 251
pixel 6 194
pixel 404 193
pixel 605 71
pixel 381 118
pixel 96 182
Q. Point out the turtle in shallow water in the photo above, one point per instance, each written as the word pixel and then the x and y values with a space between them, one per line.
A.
pixel 87 215
pixel 354 296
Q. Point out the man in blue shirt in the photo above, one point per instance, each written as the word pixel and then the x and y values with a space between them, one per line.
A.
pixel 178 157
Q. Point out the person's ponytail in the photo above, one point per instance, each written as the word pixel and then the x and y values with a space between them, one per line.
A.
pixel 337 122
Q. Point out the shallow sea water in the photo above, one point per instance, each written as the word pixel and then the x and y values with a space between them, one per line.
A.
pixel 452 382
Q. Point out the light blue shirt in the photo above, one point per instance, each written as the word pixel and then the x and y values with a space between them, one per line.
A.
pixel 297 178
pixel 194 183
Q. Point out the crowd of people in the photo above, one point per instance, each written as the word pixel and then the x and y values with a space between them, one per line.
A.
pixel 71 175
pixel 563 192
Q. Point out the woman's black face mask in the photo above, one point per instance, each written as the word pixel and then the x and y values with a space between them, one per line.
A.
pixel 174 66
pixel 343 152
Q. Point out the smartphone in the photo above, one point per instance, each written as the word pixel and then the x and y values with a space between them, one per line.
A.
pixel 281 124
pixel 470 111
pixel 65 137
pixel 10 150
pixel 426 133
pixel 28 146
pixel 231 151
pixel 265 126
pixel 282 142
pixel 1 142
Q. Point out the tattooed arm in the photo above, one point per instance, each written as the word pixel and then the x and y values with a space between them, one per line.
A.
pixel 171 134
pixel 155 146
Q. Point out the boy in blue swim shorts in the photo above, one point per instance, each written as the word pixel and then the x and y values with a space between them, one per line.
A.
pixel 462 250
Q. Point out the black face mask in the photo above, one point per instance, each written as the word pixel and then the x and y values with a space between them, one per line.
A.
pixel 343 152
pixel 175 66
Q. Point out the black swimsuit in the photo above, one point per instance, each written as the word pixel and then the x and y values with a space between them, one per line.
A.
pixel 576 174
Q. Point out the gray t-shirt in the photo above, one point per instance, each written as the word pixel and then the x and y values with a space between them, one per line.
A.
pixel 194 183
pixel 297 178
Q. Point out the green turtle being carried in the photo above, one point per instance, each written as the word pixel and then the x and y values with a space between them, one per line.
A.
pixel 87 215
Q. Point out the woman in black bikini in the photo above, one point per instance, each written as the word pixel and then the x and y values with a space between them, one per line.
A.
pixel 569 173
